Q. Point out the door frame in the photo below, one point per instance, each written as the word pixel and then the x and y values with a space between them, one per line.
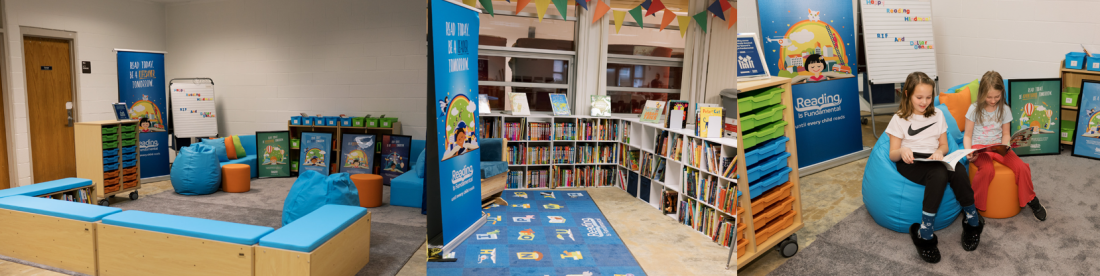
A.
pixel 9 119
pixel 69 36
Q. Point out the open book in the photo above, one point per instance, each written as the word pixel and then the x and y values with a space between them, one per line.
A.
pixel 1022 138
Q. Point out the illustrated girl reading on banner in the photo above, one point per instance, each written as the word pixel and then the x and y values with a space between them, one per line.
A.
pixel 811 49
pixel 461 131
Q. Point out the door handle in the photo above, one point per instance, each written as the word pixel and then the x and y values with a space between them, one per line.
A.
pixel 69 110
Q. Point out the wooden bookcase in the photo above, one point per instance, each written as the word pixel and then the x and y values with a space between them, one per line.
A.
pixel 337 131
pixel 90 157
pixel 1072 78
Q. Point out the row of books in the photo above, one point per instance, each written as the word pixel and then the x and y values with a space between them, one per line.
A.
pixel 671 198
pixel 662 143
pixel 529 179
pixel 511 130
pixel 592 129
pixel 564 154
pixel 583 177
pixel 707 221
pixel 703 187
pixel 653 167
pixel 629 158
pixel 729 165
pixel 521 154
pixel 73 196
pixel 676 149
pixel 565 131
pixel 593 153
pixel 515 179
pixel 727 199
pixel 707 156
pixel 538 131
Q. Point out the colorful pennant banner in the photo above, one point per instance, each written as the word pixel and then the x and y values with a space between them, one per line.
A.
pixel 562 6
pixel 601 10
pixel 701 19
pixel 584 4
pixel 488 5
pixel 636 13
pixel 541 6
pixel 520 4
pixel 716 9
pixel 620 16
pixel 685 23
pixel 668 17
pixel 654 7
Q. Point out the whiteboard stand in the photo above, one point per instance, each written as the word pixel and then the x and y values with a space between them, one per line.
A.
pixel 172 130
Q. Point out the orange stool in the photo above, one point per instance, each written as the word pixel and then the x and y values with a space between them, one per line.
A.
pixel 1002 199
pixel 236 178
pixel 370 189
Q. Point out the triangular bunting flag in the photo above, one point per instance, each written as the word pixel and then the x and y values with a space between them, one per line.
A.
pixel 472 3
pixel 488 5
pixel 725 5
pixel 619 17
pixel 732 17
pixel 540 6
pixel 654 7
pixel 684 24
pixel 668 17
pixel 601 10
pixel 563 7
pixel 646 3
pixel 584 4
pixel 716 9
pixel 636 13
pixel 520 4
pixel 701 19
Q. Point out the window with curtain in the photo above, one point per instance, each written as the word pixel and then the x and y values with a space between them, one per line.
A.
pixel 519 54
pixel 644 62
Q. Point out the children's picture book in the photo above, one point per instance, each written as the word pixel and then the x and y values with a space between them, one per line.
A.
pixel 1022 138
pixel 708 122
pixel 395 156
pixel 560 104
pixel 519 104
pixel 482 104
pixel 356 153
pixel 671 198
pixel 677 114
pixel 316 147
pixel 601 106
pixel 273 148
pixel 653 112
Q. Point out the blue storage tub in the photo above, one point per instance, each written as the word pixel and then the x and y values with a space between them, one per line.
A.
pixel 332 121
pixel 1092 63
pixel 129 156
pixel 345 121
pixel 763 150
pixel 295 120
pixel 110 160
pixel 129 164
pixel 110 167
pixel 767 166
pixel 130 149
pixel 769 181
pixel 1075 60
pixel 110 152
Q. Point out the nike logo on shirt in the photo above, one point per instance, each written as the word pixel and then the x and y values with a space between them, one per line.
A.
pixel 918 131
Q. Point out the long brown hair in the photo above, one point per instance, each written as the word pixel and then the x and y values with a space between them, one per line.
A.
pixel 906 108
pixel 990 81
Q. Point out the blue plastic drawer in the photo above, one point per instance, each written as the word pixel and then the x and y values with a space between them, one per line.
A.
pixel 769 181
pixel 130 149
pixel 767 166
pixel 129 164
pixel 766 149
pixel 110 152
pixel 110 167
pixel 129 157
pixel 110 160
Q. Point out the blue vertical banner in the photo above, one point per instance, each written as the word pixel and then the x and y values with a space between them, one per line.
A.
pixel 141 85
pixel 813 43
pixel 453 121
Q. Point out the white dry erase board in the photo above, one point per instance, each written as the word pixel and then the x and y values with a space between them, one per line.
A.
pixel 897 35
pixel 193 109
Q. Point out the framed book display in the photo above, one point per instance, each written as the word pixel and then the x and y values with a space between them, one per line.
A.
pixel 273 148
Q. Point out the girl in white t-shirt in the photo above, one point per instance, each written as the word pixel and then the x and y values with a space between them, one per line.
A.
pixel 917 131
pixel 992 128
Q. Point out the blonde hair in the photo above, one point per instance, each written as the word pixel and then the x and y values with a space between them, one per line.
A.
pixel 905 109
pixel 990 81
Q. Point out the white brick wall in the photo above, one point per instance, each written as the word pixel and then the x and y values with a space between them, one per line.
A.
pixel 274 59
pixel 100 27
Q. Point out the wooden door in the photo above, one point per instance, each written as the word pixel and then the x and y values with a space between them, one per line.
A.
pixel 5 178
pixel 49 87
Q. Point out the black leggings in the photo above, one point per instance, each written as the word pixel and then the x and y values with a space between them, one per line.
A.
pixel 935 178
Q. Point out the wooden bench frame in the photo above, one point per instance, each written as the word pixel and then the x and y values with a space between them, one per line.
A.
pixel 54 241
pixel 344 254
pixel 131 251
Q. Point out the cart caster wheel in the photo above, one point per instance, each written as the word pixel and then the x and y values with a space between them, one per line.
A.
pixel 104 202
pixel 112 196
pixel 863 121
pixel 787 248
pixel 133 195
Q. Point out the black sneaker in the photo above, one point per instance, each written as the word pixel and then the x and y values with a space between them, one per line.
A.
pixel 972 235
pixel 927 249
pixel 1040 211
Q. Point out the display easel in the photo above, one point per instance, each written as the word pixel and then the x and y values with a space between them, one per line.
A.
pixel 179 142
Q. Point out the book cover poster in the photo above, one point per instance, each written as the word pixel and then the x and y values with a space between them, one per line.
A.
pixel 395 156
pixel 356 153
pixel 710 122
pixel 560 104
pixel 519 104
pixel 316 148
pixel 1086 141
pixel 601 106
pixel 677 114
pixel 483 104
pixel 273 150
pixel 652 112
pixel 1036 104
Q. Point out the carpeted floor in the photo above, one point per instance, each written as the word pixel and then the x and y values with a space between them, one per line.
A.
pixel 1065 244
pixel 396 232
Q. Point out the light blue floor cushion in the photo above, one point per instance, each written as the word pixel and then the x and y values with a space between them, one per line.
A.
pixel 191 227
pixel 310 231
pixel 57 208
pixel 47 187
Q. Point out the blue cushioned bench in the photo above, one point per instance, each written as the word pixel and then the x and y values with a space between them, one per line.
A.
pixel 332 240
pixel 51 232
pixel 47 187
pixel 183 245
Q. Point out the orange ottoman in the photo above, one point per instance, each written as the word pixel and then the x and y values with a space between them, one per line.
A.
pixel 236 178
pixel 1002 200
pixel 370 189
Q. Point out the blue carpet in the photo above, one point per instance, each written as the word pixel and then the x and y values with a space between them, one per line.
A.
pixel 543 232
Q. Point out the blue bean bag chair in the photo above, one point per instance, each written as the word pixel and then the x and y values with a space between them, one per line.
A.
pixel 313 190
pixel 196 170
pixel 895 202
